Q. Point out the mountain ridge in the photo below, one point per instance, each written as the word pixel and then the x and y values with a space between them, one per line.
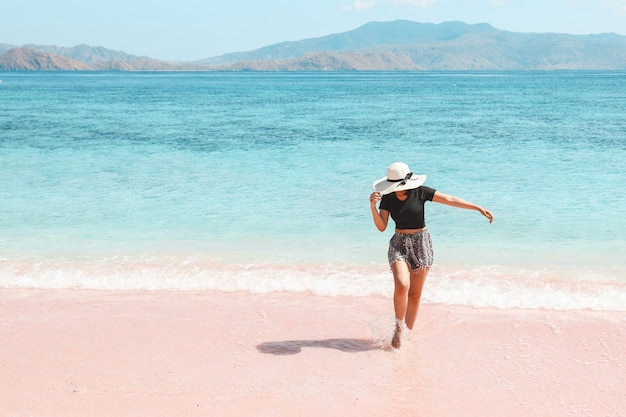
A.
pixel 369 35
pixel 384 46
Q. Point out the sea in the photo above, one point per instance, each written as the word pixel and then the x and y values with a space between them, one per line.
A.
pixel 260 181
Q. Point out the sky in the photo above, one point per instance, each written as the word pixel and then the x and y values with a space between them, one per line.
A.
pixel 189 30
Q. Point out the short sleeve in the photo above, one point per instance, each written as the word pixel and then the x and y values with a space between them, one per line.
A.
pixel 385 202
pixel 426 193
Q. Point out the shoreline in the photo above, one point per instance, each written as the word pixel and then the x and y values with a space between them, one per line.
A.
pixel 159 353
pixel 487 286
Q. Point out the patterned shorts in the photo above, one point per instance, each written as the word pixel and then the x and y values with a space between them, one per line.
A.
pixel 416 249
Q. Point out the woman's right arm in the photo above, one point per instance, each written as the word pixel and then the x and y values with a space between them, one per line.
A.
pixel 381 218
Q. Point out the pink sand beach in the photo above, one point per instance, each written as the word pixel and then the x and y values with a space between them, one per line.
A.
pixel 95 353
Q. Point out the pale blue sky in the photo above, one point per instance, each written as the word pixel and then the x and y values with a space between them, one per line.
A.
pixel 196 29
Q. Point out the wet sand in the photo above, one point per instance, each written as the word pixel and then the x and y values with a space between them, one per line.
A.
pixel 128 353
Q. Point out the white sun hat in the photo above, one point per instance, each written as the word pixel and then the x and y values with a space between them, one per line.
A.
pixel 399 177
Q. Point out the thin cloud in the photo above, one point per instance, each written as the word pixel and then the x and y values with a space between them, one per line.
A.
pixel 416 3
pixel 366 5
pixel 361 6
pixel 620 5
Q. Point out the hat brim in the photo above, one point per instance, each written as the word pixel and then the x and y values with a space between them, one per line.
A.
pixel 384 186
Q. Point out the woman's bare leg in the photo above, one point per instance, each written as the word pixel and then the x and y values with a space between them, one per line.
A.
pixel 402 284
pixel 414 296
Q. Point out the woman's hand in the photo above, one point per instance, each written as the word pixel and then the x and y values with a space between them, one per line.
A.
pixel 375 197
pixel 486 213
pixel 380 217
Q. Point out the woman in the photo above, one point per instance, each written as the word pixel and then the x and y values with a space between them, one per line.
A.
pixel 402 195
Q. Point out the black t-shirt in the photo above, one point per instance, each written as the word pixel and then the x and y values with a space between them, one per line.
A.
pixel 408 214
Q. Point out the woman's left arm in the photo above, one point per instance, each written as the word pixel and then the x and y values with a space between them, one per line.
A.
pixel 454 201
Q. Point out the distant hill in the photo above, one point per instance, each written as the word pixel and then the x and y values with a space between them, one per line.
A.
pixel 28 59
pixel 388 46
pixel 444 46
pixel 85 53
pixel 331 61
pixel 25 59
pixel 369 37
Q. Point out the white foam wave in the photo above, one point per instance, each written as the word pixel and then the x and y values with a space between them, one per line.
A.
pixel 504 288
pixel 486 286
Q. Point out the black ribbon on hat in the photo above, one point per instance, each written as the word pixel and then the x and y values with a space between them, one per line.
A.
pixel 402 181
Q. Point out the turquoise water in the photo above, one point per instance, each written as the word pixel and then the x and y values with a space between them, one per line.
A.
pixel 261 181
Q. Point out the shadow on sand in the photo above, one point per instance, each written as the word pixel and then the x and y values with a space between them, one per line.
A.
pixel 291 347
